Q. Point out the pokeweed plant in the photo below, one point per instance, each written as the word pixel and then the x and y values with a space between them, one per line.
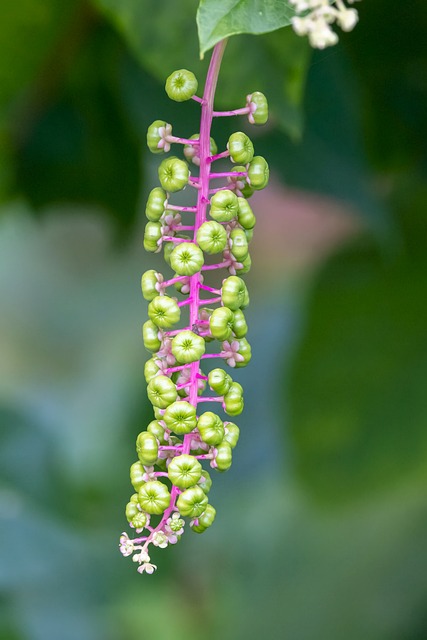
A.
pixel 168 478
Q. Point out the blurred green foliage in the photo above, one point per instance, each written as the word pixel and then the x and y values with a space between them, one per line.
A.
pixel 322 520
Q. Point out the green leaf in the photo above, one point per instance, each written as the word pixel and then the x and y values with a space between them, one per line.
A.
pixel 358 386
pixel 219 19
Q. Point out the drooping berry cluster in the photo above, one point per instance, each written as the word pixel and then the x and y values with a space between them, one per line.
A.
pixel 168 477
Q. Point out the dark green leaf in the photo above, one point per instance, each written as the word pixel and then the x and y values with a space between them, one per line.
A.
pixel 219 19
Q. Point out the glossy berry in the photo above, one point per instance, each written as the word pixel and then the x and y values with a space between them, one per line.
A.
pixel 147 448
pixel 155 206
pixel 245 215
pixel 221 323
pixel 150 336
pixel 137 472
pixel 233 293
pixel 181 85
pixel 259 108
pixel 205 520
pixel 164 312
pixel 240 147
pixel 149 283
pixel 212 237
pixel 192 502
pixel 224 206
pixel 238 244
pixel 184 471
pixel 173 174
pixel 154 497
pixel 211 428
pixel 186 259
pixel 188 347
pixel 161 392
pixel 156 134
pixel 224 456
pixel 219 381
pixel 258 173
pixel 180 417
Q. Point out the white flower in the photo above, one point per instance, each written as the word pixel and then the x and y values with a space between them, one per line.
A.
pixel 317 18
pixel 147 567
pixel 126 545
pixel 160 539
pixel 230 352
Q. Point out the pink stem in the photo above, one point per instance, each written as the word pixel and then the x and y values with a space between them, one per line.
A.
pixel 175 207
pixel 194 182
pixel 197 99
pixel 183 227
pixel 175 369
pixel 211 355
pixel 233 112
pixel 218 265
pixel 168 283
pixel 211 289
pixel 174 239
pixel 210 399
pixel 221 188
pixel 209 301
pixel 224 154
pixel 182 140
pixel 228 174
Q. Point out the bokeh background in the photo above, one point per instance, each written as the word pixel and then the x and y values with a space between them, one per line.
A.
pixel 322 521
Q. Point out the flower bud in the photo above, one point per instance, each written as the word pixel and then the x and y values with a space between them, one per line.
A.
pixel 154 497
pixel 161 391
pixel 210 428
pixel 181 85
pixel 147 448
pixel 164 312
pixel 192 502
pixel 240 147
pixel 180 417
pixel 212 237
pixel 186 259
pixel 184 471
pixel 173 174
pixel 224 206
pixel 188 347
pixel 155 207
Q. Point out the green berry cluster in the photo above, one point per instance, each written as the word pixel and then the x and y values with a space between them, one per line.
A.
pixel 168 479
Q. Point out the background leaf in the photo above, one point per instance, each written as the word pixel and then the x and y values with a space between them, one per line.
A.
pixel 219 19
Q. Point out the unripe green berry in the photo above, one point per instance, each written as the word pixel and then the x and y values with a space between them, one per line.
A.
pixel 192 502
pixel 258 173
pixel 136 472
pixel 181 284
pixel 233 293
pixel 187 259
pixel 151 369
pixel 155 135
pixel 224 206
pixel 147 448
pixel 164 312
pixel 240 147
pixel 232 433
pixel 233 401
pixel 180 417
pixel 210 428
pixel 139 520
pixel 188 347
pixel 148 284
pixel 245 215
pixel 152 234
pixel 224 456
pixel 205 482
pixel 212 237
pixel 168 247
pixel 243 188
pixel 181 85
pixel 184 471
pixel 150 336
pixel 246 263
pixel 157 430
pixel 161 392
pixel 155 207
pixel 240 328
pixel 245 351
pixel 192 152
pixel 154 497
pixel 238 244
pixel 249 233
pixel 221 323
pixel 173 174
pixel 205 520
pixel 219 381
pixel 131 510
pixel 260 114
